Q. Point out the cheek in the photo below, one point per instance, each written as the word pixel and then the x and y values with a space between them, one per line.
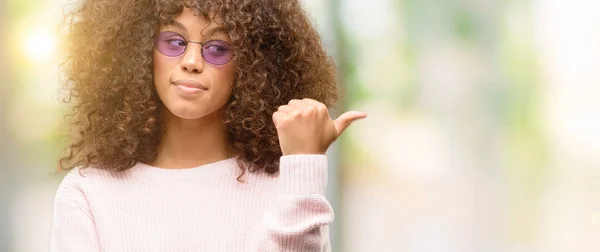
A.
pixel 160 67
pixel 227 76
pixel 221 78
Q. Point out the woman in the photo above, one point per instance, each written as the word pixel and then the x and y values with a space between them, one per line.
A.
pixel 197 126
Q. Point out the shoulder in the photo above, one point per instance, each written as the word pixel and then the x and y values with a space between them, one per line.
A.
pixel 79 179
pixel 81 175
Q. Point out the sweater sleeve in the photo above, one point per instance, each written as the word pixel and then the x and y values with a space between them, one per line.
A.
pixel 299 219
pixel 73 227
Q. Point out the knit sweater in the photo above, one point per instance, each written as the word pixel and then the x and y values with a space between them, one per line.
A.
pixel 203 208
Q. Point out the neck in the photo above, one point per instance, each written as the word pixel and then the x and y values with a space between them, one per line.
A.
pixel 192 142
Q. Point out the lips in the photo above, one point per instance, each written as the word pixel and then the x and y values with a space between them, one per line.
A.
pixel 192 84
pixel 188 87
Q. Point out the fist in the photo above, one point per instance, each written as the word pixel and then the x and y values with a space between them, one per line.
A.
pixel 305 127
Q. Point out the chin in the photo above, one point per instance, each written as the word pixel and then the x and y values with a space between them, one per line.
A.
pixel 192 108
pixel 187 111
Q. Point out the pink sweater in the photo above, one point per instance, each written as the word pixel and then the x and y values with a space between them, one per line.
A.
pixel 198 209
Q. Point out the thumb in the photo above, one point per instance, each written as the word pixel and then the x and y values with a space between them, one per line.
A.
pixel 344 120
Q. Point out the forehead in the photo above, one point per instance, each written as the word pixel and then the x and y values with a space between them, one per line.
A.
pixel 190 22
pixel 189 18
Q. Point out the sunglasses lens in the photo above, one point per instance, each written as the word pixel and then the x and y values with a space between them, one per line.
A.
pixel 217 52
pixel 170 44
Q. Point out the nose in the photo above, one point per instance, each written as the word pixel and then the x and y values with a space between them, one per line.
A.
pixel 192 60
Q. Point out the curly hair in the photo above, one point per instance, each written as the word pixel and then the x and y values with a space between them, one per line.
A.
pixel 115 115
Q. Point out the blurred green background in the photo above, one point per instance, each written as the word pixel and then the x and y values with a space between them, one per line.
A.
pixel 483 131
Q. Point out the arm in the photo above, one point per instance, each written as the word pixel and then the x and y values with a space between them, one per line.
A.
pixel 299 219
pixel 73 227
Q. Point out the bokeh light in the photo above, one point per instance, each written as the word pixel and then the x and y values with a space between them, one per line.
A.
pixel 39 45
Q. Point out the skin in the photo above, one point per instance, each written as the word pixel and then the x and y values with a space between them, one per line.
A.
pixel 194 133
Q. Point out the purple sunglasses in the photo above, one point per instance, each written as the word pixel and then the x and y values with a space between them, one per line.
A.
pixel 172 44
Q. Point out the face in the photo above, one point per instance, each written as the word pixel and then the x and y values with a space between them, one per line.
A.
pixel 193 66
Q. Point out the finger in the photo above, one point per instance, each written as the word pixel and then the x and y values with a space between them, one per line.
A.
pixel 311 101
pixel 344 120
pixel 284 108
pixel 305 105
pixel 294 107
pixel 276 117
pixel 320 106
pixel 298 104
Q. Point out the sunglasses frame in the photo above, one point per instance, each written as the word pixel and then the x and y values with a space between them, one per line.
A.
pixel 233 55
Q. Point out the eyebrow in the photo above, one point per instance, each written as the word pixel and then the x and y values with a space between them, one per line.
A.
pixel 211 31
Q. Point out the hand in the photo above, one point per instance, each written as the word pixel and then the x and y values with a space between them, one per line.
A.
pixel 304 126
